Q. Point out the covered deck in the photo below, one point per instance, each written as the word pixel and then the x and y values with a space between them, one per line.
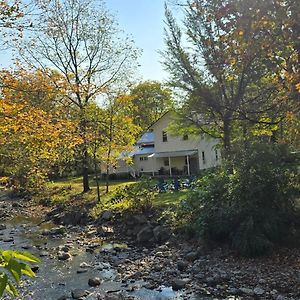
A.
pixel 175 162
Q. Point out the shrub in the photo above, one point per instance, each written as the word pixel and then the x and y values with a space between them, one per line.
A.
pixel 253 207
pixel 138 196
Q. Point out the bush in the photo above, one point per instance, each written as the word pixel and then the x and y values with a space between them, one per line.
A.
pixel 253 207
pixel 138 196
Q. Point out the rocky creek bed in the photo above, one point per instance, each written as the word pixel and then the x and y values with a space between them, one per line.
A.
pixel 137 261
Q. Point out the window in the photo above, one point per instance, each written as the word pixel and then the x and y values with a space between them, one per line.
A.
pixel 143 158
pixel 166 162
pixel 203 157
pixel 185 137
pixel 217 155
pixel 164 136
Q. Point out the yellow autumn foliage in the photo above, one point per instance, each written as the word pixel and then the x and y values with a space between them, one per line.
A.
pixel 34 130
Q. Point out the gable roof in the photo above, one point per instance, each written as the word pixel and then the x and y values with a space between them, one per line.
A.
pixel 146 138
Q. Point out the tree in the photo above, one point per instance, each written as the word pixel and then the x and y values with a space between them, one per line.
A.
pixel 111 132
pixel 10 19
pixel 82 42
pixel 229 64
pixel 150 100
pixel 34 132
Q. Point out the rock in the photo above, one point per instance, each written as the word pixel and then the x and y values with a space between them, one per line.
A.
pixel 139 219
pixel 26 247
pixel 191 256
pixel 157 268
pixel 259 291
pixel 233 291
pixel 44 253
pixel 115 296
pixel 199 276
pixel 65 248
pixel 182 265
pixel 81 271
pixel 79 293
pixel 64 256
pixel 64 297
pixel 35 268
pixel 85 265
pixel 247 291
pixel 178 284
pixel 145 234
pixel 2 226
pixel 280 297
pixel 107 215
pixel 94 281
pixel 8 240
pixel 161 234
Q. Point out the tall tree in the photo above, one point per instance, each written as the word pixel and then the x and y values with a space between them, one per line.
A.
pixel 228 61
pixel 150 101
pixel 80 40
pixel 112 131
pixel 34 133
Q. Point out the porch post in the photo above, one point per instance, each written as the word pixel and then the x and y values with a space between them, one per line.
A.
pixel 153 166
pixel 188 164
pixel 170 167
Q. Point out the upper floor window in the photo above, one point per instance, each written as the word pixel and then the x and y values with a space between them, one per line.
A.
pixel 203 157
pixel 164 136
pixel 185 137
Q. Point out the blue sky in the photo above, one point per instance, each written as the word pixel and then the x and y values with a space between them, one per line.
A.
pixel 144 21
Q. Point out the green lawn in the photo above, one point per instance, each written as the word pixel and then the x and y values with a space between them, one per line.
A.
pixel 170 198
pixel 71 188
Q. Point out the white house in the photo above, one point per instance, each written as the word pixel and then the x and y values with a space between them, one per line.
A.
pixel 159 153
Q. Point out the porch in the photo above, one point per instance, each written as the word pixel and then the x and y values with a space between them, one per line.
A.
pixel 175 163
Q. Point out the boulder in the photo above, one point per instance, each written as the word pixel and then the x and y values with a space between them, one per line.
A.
pixel 145 235
pixel 107 215
pixel 63 256
pixel 79 293
pixel 139 219
pixel 182 265
pixel 161 234
pixel 95 281
pixel 178 284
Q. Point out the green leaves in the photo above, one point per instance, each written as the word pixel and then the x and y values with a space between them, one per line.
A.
pixel 14 263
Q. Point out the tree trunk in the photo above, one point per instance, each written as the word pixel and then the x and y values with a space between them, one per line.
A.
pixel 97 178
pixel 84 159
pixel 107 179
pixel 85 171
pixel 227 138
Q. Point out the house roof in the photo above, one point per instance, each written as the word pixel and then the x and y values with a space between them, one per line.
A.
pixel 173 153
pixel 169 111
pixel 146 138
pixel 141 151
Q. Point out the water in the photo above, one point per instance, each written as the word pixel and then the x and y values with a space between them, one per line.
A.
pixel 57 278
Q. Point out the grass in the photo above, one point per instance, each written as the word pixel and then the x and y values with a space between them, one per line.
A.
pixel 170 198
pixel 70 188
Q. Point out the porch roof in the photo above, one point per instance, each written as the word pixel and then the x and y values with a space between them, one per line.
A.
pixel 173 153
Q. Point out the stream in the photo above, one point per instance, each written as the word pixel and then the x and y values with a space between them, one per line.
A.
pixel 61 278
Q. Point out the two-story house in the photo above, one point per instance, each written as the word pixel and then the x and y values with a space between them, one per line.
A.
pixel 159 153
